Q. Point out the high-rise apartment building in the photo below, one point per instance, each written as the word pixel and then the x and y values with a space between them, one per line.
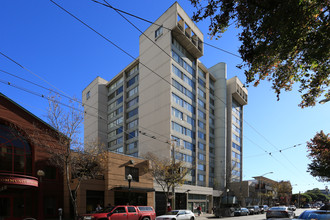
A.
pixel 167 98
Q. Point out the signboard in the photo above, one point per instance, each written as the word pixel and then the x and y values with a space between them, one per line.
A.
pixel 9 180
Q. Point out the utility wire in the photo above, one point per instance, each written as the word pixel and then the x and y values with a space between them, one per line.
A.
pixel 143 19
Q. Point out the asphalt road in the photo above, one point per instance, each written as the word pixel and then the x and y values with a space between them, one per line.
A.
pixel 249 217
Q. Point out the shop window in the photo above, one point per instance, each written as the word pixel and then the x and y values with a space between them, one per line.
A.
pixel 15 151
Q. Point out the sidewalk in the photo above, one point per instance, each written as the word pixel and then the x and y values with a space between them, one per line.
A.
pixel 204 216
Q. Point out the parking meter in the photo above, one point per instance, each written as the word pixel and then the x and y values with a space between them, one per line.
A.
pixel 60 213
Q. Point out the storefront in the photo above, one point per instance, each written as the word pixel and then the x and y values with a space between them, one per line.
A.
pixel 29 186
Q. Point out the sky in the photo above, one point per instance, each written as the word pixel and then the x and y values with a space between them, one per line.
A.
pixel 60 53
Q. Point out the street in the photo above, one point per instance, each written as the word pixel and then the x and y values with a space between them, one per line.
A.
pixel 249 217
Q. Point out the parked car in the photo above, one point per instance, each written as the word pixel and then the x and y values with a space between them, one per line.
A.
pixel 253 209
pixel 122 212
pixel 315 214
pixel 241 211
pixel 279 212
pixel 306 206
pixel 263 208
pixel 177 214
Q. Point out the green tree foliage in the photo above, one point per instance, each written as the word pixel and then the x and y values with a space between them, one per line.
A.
pixel 319 153
pixel 283 41
pixel 317 195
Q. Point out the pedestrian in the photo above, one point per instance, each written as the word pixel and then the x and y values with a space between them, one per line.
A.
pixel 199 210
pixel 98 207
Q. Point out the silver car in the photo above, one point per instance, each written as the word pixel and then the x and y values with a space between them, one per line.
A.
pixel 177 215
pixel 279 212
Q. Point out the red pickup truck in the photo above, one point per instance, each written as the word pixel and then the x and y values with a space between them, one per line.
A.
pixel 122 212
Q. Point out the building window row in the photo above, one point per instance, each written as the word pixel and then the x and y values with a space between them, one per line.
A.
pixel 183 76
pixel 133 102
pixel 116 112
pixel 186 144
pixel 183 103
pixel 133 80
pixel 132 71
pixel 201 73
pixel 115 93
pixel 132 134
pixel 201 146
pixel 183 63
pixel 236 146
pixel 201 157
pixel 117 83
pixel 183 130
pixel 201 82
pixel 236 155
pixel 201 104
pixel 184 157
pixel 236 138
pixel 116 103
pixel 201 114
pixel 201 93
pixel 236 129
pixel 236 173
pixel 116 122
pixel 132 146
pixel 201 135
pixel 116 132
pixel 236 164
pixel 178 46
pixel 132 92
pixel 236 120
pixel 132 113
pixel 202 167
pixel 178 114
pixel 183 89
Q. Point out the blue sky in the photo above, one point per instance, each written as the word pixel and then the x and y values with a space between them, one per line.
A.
pixel 59 49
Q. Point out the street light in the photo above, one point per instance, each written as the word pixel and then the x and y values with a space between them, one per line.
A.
pixel 227 196
pixel 260 185
pixel 40 174
pixel 129 179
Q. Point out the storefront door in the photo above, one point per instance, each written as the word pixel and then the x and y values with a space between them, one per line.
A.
pixel 14 206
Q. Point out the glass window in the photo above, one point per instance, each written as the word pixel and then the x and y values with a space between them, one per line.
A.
pixel 132 112
pixel 201 146
pixel 201 124
pixel 159 32
pixel 177 113
pixel 88 95
pixel 201 93
pixel 133 102
pixel 201 82
pixel 132 92
pixel 201 114
pixel 132 134
pixel 132 81
pixel 132 124
pixel 15 151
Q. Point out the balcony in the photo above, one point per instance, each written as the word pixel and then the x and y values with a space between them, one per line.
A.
pixel 186 37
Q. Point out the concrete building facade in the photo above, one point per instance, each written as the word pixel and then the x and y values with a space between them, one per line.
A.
pixel 168 99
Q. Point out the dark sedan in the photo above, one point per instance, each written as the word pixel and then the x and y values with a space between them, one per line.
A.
pixel 279 212
pixel 315 214
pixel 241 211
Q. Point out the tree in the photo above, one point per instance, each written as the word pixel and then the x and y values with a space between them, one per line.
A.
pixel 167 173
pixel 69 154
pixel 283 190
pixel 285 42
pixel 319 153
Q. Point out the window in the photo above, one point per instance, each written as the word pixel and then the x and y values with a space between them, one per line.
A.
pixel 236 146
pixel 183 76
pixel 183 130
pixel 133 102
pixel 201 135
pixel 134 172
pixel 201 73
pixel 132 81
pixel 15 151
pixel 132 113
pixel 201 146
pixel 132 146
pixel 201 114
pixel 183 63
pixel 201 156
pixel 115 84
pixel 183 89
pixel 132 71
pixel 88 95
pixel 177 113
pixel 201 167
pixel 159 32
pixel 201 177
pixel 131 209
pixel 201 104
pixel 132 134
pixel 183 103
pixel 236 138
pixel 201 93
pixel 132 92
pixel 190 120
pixel 132 124
pixel 201 124
pixel 201 82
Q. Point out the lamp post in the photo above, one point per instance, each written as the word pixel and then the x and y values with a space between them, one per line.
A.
pixel 260 185
pixel 40 174
pixel 129 179
pixel 187 194
pixel 227 195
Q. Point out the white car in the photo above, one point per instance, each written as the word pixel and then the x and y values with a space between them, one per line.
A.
pixel 177 215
